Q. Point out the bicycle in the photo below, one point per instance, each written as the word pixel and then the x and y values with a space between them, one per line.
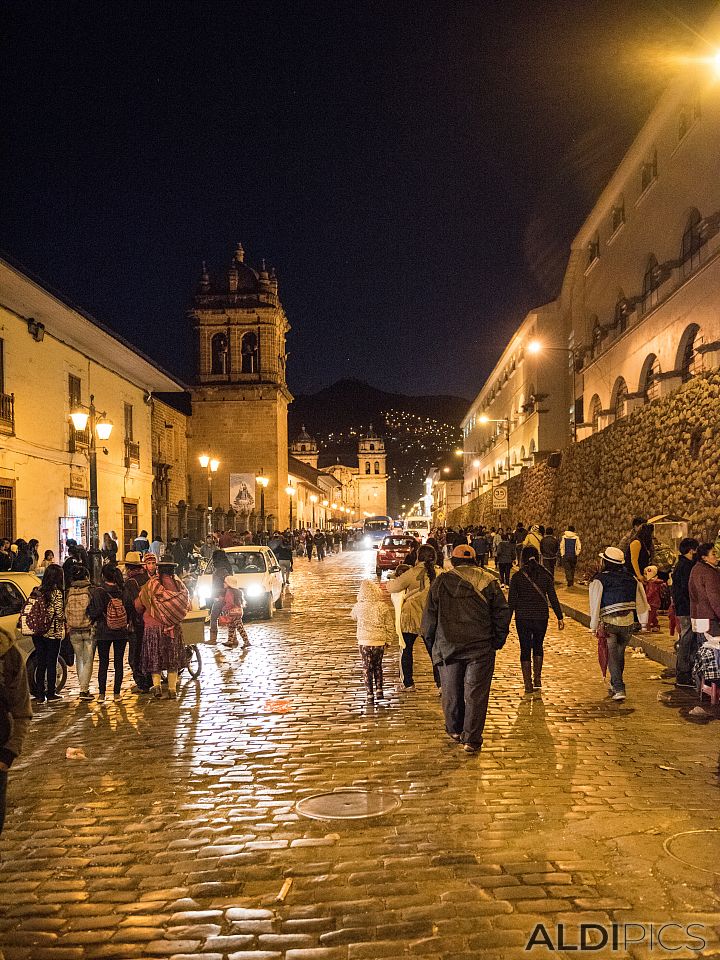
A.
pixel 192 661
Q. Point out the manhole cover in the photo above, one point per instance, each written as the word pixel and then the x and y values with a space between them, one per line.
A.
pixel 347 805
pixel 695 848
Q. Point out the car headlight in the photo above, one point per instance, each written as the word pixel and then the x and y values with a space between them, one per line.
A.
pixel 254 590
pixel 367 541
pixel 203 597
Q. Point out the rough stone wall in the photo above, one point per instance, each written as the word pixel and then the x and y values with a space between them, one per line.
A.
pixel 662 458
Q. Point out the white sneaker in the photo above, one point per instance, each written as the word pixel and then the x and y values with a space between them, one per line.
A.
pixel 620 695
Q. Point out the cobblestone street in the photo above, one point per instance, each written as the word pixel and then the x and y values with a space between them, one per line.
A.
pixel 176 835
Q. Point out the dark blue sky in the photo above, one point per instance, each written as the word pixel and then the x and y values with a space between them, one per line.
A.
pixel 414 171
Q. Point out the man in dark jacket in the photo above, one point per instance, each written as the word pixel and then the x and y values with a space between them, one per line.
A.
pixel 466 620
pixel 15 710
pixel 681 599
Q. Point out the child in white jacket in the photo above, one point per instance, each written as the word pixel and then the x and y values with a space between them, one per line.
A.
pixel 375 631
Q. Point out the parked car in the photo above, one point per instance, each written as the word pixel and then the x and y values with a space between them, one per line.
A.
pixel 392 551
pixel 15 588
pixel 259 576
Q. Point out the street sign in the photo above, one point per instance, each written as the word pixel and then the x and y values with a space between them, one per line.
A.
pixel 500 498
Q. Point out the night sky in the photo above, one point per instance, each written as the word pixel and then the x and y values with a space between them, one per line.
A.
pixel 414 171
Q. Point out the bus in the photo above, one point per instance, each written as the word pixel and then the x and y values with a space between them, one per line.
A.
pixel 374 529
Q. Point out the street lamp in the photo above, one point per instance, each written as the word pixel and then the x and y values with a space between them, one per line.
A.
pixel 536 347
pixel 313 501
pixel 262 482
pixel 210 464
pixel 290 490
pixel 102 427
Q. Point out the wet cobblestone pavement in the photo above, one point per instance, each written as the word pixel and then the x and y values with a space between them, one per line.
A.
pixel 175 837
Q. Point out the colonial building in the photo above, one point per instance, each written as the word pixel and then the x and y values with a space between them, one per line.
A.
pixel 444 484
pixel 241 398
pixel 54 359
pixel 523 409
pixel 643 310
pixel 357 491
pixel 638 314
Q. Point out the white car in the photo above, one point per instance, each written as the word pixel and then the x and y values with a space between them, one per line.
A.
pixel 257 573
pixel 15 588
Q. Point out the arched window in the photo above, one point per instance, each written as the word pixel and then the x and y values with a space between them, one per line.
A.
pixel 619 401
pixel 522 453
pixel 687 358
pixel 532 448
pixel 377 466
pixel 249 353
pixel 372 446
pixel 648 385
pixel 691 254
pixel 651 284
pixel 220 352
pixel 367 466
pixel 595 411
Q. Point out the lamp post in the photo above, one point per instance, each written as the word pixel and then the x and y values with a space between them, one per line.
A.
pixel 326 504
pixel 262 481
pixel 103 428
pixel 313 501
pixel 211 465
pixel 535 347
pixel 290 490
pixel 507 423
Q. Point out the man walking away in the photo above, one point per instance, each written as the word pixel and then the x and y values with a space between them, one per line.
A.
pixel 549 549
pixel 319 541
pixel 687 647
pixel 570 548
pixel 142 543
pixel 466 620
pixel 15 710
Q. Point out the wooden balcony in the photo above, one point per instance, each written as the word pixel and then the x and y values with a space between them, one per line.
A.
pixel 7 413
pixel 132 453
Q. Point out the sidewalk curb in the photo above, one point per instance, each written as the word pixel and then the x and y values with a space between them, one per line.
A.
pixel 651 649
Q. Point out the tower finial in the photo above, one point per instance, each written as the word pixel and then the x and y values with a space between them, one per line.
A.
pixel 240 253
pixel 204 277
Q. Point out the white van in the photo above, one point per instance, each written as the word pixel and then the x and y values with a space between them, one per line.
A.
pixel 419 527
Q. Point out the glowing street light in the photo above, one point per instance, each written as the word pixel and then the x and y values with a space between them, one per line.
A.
pixel 313 500
pixel 290 490
pixel 211 465
pixel 262 481
pixel 102 428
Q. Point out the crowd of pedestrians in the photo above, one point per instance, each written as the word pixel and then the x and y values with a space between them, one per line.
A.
pixel 448 594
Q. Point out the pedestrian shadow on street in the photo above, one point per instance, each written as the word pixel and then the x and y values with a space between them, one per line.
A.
pixel 685 702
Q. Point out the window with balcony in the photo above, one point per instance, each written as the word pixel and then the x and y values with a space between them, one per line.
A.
pixel 7 400
pixel 595 412
pixel 649 383
pixel 593 250
pixel 651 284
pixel 649 172
pixel 692 250
pixel 617 218
pixel 620 395
pixel 689 360
pixel 79 439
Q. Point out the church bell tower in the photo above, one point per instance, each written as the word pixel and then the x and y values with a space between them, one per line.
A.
pixel 372 475
pixel 241 397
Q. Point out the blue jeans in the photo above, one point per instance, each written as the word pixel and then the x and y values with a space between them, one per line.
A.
pixel 84 646
pixel 617 640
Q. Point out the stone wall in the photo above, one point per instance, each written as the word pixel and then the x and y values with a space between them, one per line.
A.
pixel 662 458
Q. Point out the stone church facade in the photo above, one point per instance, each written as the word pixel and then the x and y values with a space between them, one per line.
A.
pixel 240 399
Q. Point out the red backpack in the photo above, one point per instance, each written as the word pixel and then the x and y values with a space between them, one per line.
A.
pixel 116 614
pixel 170 606
pixel 39 617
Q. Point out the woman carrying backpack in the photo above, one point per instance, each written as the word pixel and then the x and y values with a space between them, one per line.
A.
pixel 111 619
pixel 163 602
pixel 80 629
pixel 47 622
